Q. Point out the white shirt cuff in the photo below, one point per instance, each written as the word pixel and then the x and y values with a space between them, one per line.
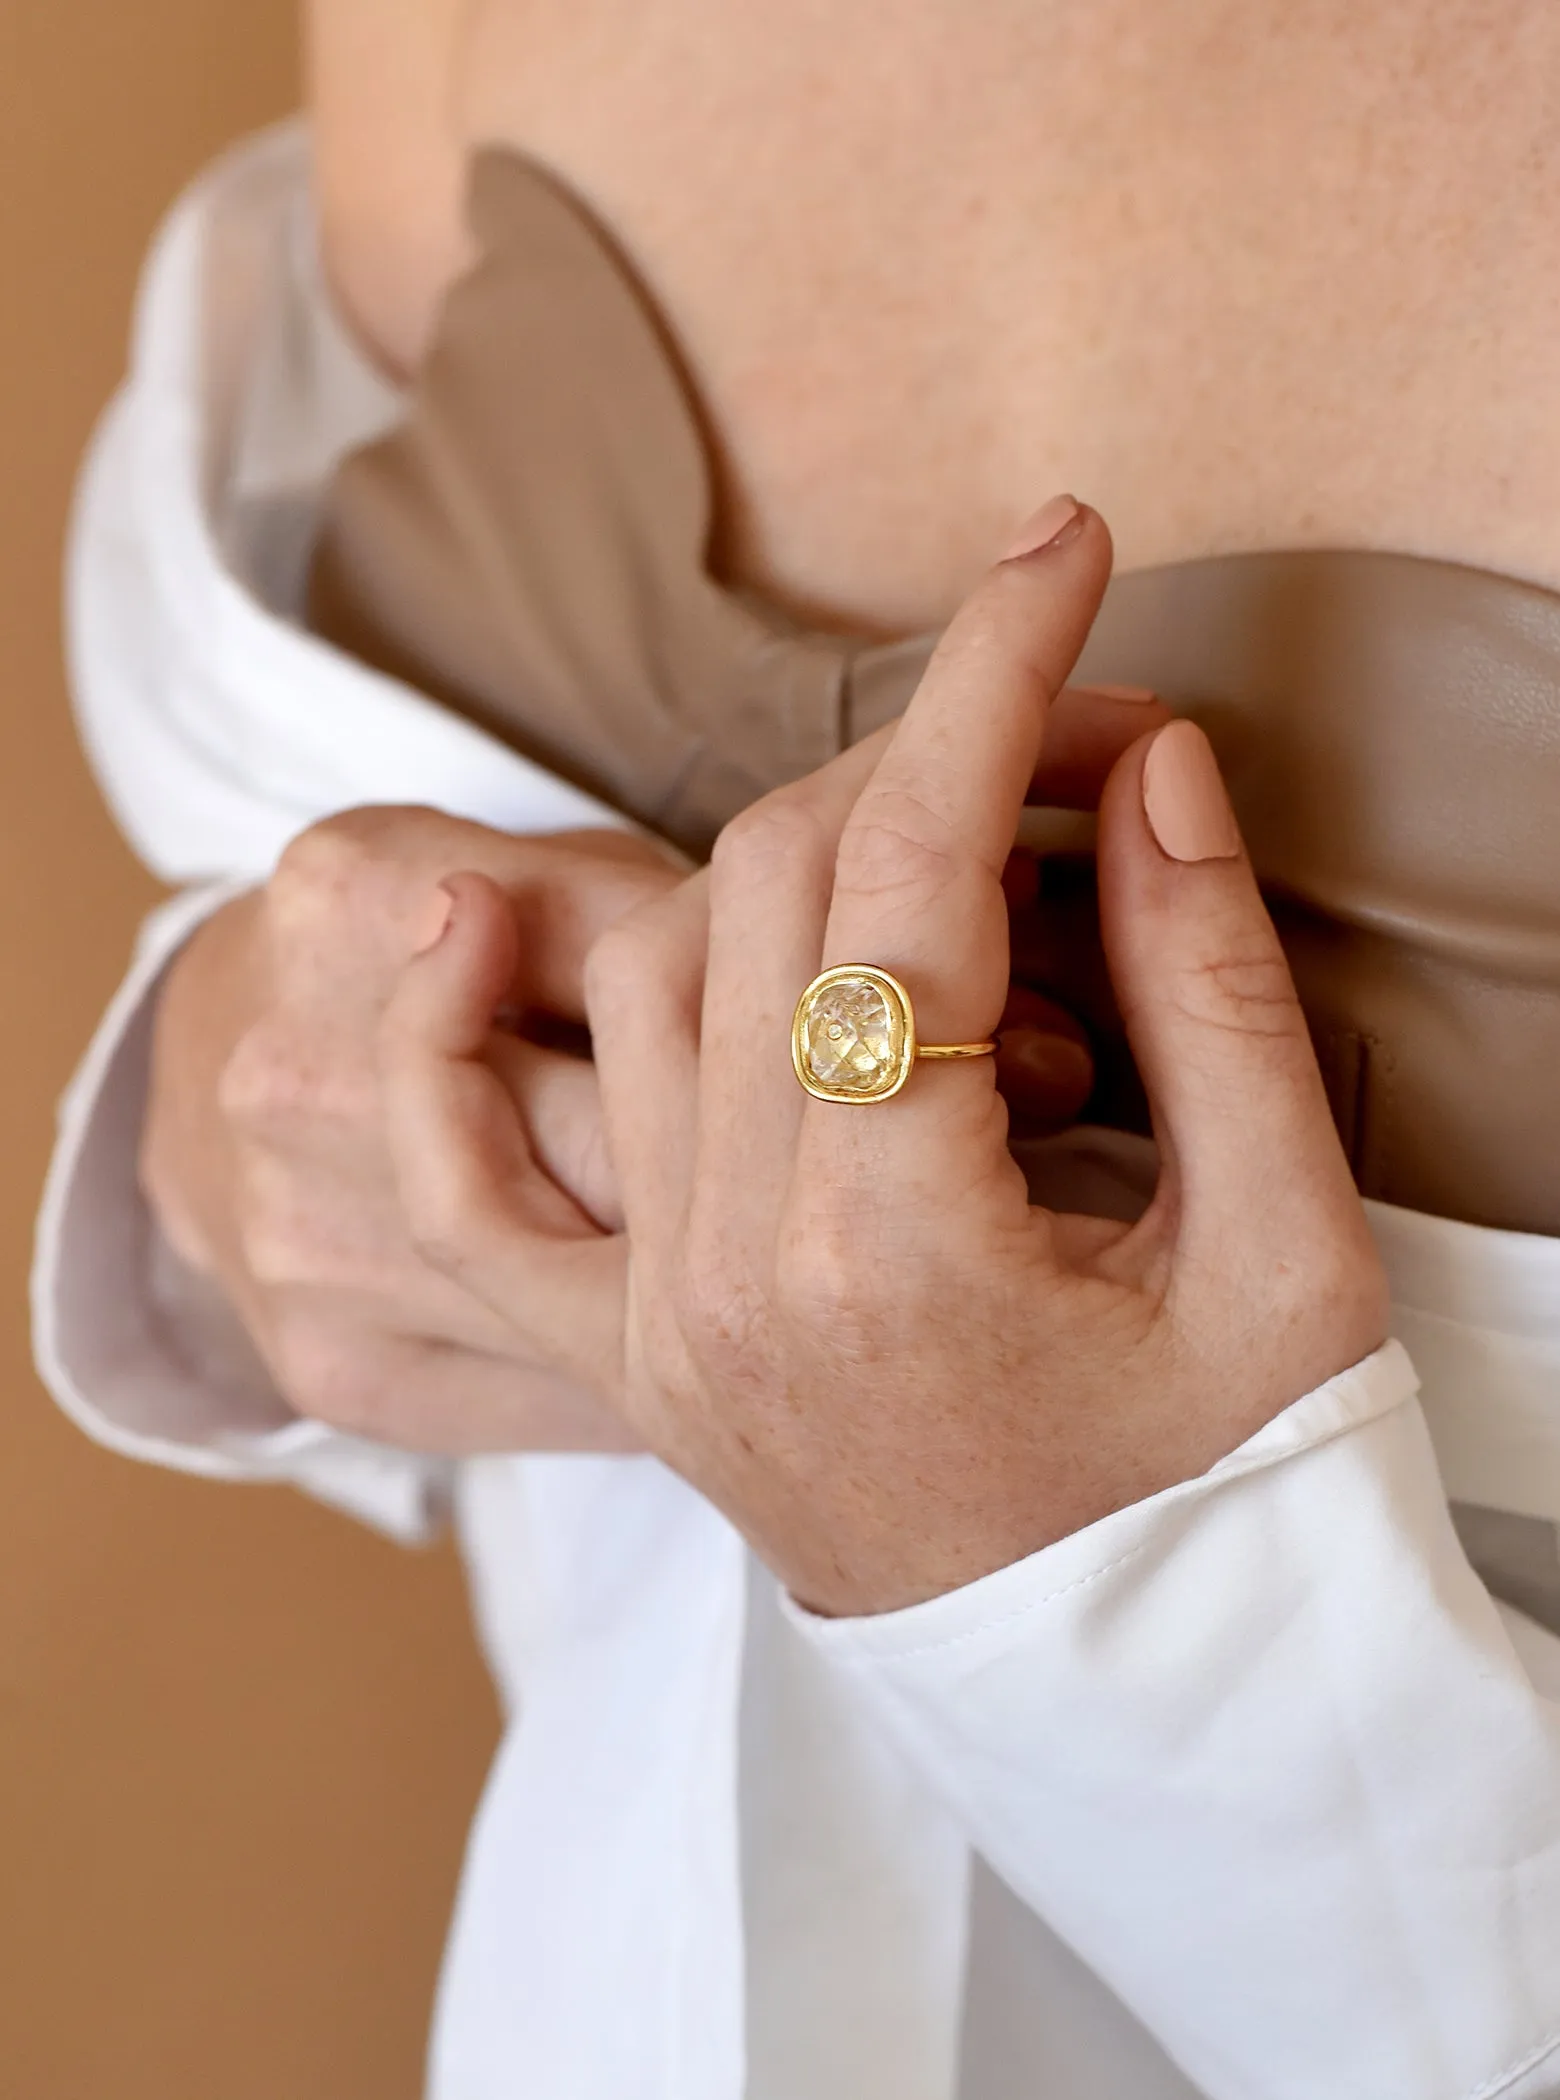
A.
pixel 139 1353
pixel 1262 1750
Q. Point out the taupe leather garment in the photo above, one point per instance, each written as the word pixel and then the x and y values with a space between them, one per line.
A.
pixel 530 546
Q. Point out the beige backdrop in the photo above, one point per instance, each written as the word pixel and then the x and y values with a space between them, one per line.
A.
pixel 239 1739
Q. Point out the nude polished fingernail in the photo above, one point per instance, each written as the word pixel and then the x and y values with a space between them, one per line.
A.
pixel 1137 695
pixel 1054 522
pixel 1184 797
pixel 433 921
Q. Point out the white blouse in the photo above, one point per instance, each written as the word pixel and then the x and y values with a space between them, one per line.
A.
pixel 1250 1791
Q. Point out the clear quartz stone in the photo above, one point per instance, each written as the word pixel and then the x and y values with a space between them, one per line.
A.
pixel 849 1037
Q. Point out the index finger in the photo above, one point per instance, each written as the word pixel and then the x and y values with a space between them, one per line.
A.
pixel 917 887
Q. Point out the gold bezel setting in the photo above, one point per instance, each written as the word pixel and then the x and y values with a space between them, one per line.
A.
pixel 901 1034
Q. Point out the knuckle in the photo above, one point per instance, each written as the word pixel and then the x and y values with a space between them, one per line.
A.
pixel 323 863
pixel 1245 991
pixel 995 631
pixel 282 1079
pixel 266 1084
pixel 897 846
pixel 768 840
pixel 348 862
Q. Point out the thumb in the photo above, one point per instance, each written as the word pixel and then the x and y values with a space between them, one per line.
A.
pixel 1253 1171
pixel 477 1203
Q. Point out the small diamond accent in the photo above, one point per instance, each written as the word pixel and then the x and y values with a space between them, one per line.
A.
pixel 849 1037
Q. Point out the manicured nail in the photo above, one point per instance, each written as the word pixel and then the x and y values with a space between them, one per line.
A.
pixel 1060 519
pixel 1137 695
pixel 433 921
pixel 1184 799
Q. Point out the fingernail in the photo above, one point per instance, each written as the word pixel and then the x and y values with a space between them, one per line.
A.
pixel 1184 798
pixel 1137 695
pixel 1054 1062
pixel 433 921
pixel 1060 519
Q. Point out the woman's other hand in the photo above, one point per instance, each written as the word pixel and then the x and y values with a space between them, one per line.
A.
pixel 264 1153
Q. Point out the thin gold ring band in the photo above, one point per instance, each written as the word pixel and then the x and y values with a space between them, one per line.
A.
pixel 853 1036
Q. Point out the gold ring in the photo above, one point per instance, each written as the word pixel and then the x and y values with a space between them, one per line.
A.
pixel 853 1036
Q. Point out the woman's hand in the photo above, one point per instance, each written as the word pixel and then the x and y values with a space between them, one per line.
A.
pixel 264 1152
pixel 848 1325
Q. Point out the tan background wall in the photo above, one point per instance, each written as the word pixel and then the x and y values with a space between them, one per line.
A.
pixel 239 1740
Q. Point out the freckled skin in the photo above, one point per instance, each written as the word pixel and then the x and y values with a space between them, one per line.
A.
pixel 1268 275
